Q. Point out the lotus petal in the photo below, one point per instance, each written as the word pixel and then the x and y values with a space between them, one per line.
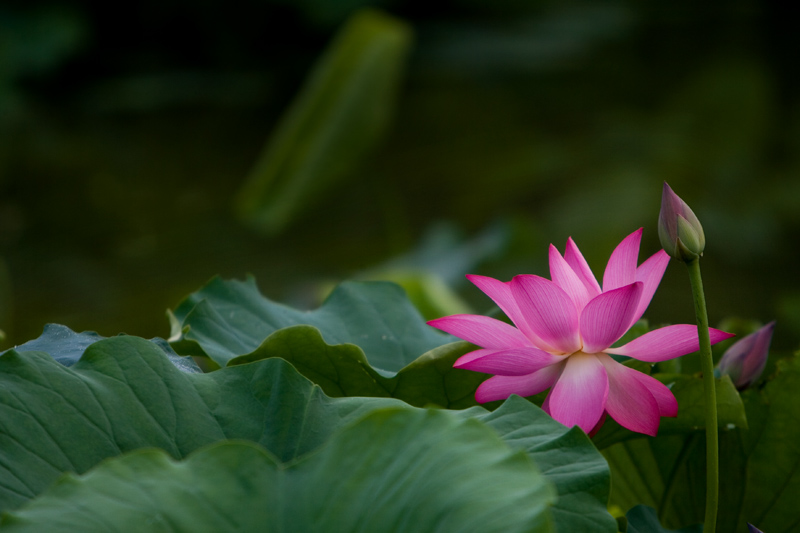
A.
pixel 566 278
pixel 667 343
pixel 549 311
pixel 579 396
pixel 621 267
pixel 512 362
pixel 482 331
pixel 500 293
pixel 574 259
pixel 501 387
pixel 650 273
pixel 608 316
pixel 629 400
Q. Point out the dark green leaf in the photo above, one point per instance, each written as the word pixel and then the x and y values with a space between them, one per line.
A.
pixel 342 370
pixel 124 394
pixel 566 456
pixel 643 519
pixel 691 415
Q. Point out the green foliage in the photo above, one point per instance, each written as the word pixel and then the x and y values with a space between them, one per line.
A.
pixel 382 346
pixel 339 116
pixel 689 392
pixel 124 394
pixel 342 370
pixel 396 468
pixel 226 319
pixel 643 519
pixel 565 456
pixel 76 404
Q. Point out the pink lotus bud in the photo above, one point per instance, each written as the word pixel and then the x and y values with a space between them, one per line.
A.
pixel 753 529
pixel 744 361
pixel 679 230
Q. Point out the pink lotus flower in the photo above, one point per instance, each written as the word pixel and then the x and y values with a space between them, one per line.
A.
pixel 563 335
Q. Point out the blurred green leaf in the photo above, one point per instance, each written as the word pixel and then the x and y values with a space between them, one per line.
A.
pixel 691 414
pixel 652 471
pixel 445 251
pixel 439 262
pixel 340 115
pixel 396 468
pixel 428 292
pixel 38 40
pixel 643 519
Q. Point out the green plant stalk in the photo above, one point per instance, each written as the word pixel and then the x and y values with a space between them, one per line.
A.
pixel 710 394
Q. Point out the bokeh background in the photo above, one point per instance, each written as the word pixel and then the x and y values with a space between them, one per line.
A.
pixel 127 133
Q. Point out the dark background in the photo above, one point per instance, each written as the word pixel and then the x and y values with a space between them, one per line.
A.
pixel 127 129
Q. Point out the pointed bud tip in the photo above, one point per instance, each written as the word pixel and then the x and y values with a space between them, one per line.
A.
pixel 679 230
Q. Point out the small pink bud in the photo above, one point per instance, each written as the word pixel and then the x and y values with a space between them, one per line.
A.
pixel 753 529
pixel 744 361
pixel 679 230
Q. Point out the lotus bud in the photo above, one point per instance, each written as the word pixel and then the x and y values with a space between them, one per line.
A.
pixel 679 230
pixel 753 529
pixel 744 361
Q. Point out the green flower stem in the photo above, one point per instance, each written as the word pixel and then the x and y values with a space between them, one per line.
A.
pixel 712 437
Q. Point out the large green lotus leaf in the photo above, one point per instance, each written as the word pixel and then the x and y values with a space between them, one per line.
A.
pixel 226 319
pixel 759 476
pixel 124 394
pixel 396 469
pixel 565 455
pixel 688 390
pixel 343 370
pixel 339 116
